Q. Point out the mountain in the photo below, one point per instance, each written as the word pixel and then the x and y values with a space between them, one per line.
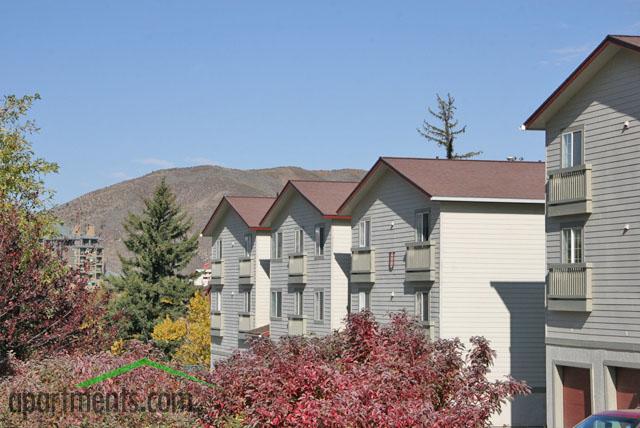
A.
pixel 198 190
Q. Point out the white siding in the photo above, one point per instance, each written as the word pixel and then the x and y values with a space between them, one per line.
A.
pixel 261 254
pixel 492 285
pixel 340 267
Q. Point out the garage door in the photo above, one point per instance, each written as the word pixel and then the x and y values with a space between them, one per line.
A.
pixel 576 395
pixel 627 388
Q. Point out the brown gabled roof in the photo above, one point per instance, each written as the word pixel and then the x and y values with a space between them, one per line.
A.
pixel 325 196
pixel 464 179
pixel 600 55
pixel 251 209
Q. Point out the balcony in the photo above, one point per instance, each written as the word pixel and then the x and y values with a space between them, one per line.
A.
pixel 297 269
pixel 569 287
pixel 297 325
pixel 569 191
pixel 420 262
pixel 245 322
pixel 244 271
pixel 217 272
pixel 363 267
pixel 216 324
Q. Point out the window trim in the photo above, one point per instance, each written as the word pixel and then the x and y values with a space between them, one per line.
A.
pixel 318 305
pixel 364 295
pixel 364 235
pixel 421 214
pixel 217 249
pixel 571 131
pixel 276 246
pixel 246 300
pixel 298 241
pixel 248 244
pixel 572 242
pixel 298 303
pixel 217 301
pixel 319 241
pixel 420 296
pixel 278 304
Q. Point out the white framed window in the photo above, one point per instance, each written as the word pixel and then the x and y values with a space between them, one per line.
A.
pixel 217 301
pixel 364 233
pixel 298 302
pixel 217 250
pixel 319 236
pixel 276 246
pixel 364 300
pixel 422 305
pixel 298 241
pixel 318 306
pixel 572 250
pixel 248 244
pixel 276 304
pixel 572 145
pixel 246 300
pixel 422 226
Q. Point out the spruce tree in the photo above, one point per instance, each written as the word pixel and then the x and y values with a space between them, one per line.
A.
pixel 445 134
pixel 151 286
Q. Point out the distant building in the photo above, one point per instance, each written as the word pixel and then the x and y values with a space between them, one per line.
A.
pixel 203 276
pixel 82 250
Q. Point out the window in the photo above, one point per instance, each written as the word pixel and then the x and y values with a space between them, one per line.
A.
pixel 364 300
pixel 364 234
pixel 248 244
pixel 319 238
pixel 422 305
pixel 572 245
pixel 217 301
pixel 246 300
pixel 217 250
pixel 298 303
pixel 276 304
pixel 276 248
pixel 298 239
pixel 571 149
pixel 318 306
pixel 422 226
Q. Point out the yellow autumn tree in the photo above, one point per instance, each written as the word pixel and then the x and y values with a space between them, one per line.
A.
pixel 187 339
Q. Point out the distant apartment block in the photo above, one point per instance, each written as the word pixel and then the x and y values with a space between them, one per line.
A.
pixel 81 249
pixel 459 245
pixel 592 126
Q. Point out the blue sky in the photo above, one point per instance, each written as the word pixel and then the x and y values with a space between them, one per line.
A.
pixel 131 87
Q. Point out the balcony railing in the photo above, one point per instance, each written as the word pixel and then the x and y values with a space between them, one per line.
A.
pixel 297 269
pixel 245 322
pixel 216 323
pixel 569 191
pixel 420 261
pixel 363 265
pixel 244 271
pixel 217 272
pixel 569 287
pixel 297 325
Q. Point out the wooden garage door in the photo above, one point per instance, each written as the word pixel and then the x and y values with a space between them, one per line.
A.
pixel 576 395
pixel 627 388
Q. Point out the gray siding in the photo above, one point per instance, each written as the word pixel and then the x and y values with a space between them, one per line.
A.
pixel 231 231
pixel 393 200
pixel 601 107
pixel 298 213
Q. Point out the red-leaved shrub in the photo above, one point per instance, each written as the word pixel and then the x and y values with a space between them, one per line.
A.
pixel 366 375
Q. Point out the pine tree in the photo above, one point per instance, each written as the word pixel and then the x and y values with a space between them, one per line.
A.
pixel 159 238
pixel 151 287
pixel 445 135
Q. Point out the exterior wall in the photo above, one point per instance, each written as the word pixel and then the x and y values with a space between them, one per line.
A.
pixel 231 231
pixel 601 107
pixel 340 267
pixel 392 200
pixel 492 284
pixel 299 214
pixel 262 283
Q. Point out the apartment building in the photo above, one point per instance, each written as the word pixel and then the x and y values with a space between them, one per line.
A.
pixel 459 244
pixel 239 279
pixel 81 249
pixel 310 256
pixel 591 124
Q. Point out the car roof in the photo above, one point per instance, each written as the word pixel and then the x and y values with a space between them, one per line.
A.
pixel 623 413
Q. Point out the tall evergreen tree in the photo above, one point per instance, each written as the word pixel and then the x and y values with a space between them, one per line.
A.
pixel 151 287
pixel 445 134
pixel 159 238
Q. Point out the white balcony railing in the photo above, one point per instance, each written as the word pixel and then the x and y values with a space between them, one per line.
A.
pixel 569 287
pixel 297 325
pixel 297 269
